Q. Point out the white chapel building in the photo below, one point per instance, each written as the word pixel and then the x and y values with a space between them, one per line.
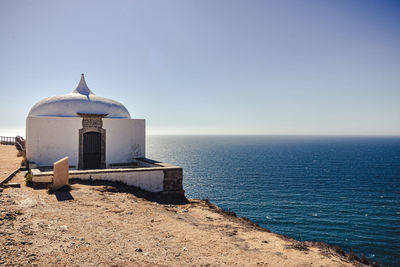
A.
pixel 93 131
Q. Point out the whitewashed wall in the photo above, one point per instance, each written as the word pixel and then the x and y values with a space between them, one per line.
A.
pixel 151 180
pixel 49 139
pixel 125 140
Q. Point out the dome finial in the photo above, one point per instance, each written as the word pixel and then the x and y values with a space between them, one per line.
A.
pixel 82 87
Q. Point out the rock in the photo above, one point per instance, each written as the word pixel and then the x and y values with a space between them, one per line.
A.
pixel 28 203
pixel 60 173
pixel 14 185
pixel 185 249
pixel 63 228
pixel 139 250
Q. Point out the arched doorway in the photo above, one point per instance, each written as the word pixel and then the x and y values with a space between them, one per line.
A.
pixel 92 150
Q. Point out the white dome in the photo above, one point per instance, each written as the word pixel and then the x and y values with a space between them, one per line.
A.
pixel 81 100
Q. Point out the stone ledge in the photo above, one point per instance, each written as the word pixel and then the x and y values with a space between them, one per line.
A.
pixel 162 177
pixel 38 173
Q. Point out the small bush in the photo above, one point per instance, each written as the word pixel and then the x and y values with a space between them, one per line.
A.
pixel 28 179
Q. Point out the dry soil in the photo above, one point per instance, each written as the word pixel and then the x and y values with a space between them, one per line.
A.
pixel 114 225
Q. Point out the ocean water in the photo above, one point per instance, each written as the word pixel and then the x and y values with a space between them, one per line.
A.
pixel 340 190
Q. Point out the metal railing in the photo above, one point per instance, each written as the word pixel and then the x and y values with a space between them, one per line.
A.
pixel 6 140
pixel 18 141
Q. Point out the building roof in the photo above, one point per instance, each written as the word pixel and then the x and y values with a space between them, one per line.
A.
pixel 81 100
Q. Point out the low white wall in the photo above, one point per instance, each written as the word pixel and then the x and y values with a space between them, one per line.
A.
pixel 125 140
pixel 49 139
pixel 151 181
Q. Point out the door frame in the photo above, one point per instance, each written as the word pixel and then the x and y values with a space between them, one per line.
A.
pixel 92 123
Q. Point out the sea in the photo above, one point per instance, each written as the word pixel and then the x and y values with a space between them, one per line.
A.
pixel 342 190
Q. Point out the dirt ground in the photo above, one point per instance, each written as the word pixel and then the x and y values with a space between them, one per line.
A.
pixel 115 225
pixel 8 160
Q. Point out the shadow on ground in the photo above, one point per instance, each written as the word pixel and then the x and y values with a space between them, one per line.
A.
pixel 63 195
pixel 115 187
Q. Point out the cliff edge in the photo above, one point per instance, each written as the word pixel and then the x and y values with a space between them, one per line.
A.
pixel 111 224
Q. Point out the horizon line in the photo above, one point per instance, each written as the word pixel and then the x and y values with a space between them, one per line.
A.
pixel 21 131
pixel 278 134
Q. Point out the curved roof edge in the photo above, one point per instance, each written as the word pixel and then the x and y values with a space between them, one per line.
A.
pixel 81 100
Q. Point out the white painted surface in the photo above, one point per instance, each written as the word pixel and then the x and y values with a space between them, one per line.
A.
pixel 82 87
pixel 151 181
pixel 81 100
pixel 125 140
pixel 50 138
pixel 60 173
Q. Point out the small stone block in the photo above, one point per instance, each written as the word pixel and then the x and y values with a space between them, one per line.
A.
pixel 42 179
pixel 14 185
pixel 32 165
pixel 60 173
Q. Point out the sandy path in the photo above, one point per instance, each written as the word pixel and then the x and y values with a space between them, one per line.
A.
pixel 106 225
pixel 8 160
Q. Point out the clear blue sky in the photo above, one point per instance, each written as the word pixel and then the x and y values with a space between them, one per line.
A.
pixel 216 67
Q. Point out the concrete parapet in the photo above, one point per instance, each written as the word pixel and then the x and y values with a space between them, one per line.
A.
pixel 155 177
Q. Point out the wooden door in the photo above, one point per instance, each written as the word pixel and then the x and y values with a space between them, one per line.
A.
pixel 91 150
